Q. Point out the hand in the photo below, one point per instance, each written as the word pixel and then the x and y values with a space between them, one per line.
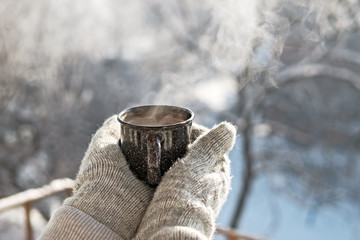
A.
pixel 189 196
pixel 105 187
pixel 192 192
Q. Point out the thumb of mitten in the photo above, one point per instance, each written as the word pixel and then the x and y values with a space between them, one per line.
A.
pixel 213 145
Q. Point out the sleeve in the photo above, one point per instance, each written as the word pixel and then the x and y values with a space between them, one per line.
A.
pixel 70 223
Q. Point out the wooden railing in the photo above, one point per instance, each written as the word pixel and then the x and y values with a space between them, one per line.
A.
pixel 26 198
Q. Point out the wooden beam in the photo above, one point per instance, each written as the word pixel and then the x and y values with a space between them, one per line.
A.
pixel 35 194
pixel 28 227
pixel 234 235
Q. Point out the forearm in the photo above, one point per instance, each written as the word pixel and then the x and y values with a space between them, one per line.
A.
pixel 177 233
pixel 71 223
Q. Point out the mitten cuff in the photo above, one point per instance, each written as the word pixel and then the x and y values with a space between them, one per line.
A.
pixel 71 223
pixel 178 233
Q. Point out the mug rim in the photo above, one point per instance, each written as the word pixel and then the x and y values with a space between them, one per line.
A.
pixel 127 110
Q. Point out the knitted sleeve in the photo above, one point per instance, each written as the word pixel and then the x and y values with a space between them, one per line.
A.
pixel 70 223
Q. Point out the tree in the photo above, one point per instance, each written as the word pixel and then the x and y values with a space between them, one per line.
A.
pixel 319 62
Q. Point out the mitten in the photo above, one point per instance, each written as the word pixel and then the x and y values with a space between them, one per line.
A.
pixel 105 190
pixel 191 194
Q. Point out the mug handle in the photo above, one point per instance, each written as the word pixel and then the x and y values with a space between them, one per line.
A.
pixel 153 159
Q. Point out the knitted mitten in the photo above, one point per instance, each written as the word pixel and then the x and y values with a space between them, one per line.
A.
pixel 105 187
pixel 192 192
pixel 108 201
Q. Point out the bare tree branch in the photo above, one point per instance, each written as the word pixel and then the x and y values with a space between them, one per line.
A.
pixel 312 70
pixel 248 175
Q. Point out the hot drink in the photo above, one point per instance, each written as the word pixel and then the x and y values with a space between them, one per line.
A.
pixel 154 121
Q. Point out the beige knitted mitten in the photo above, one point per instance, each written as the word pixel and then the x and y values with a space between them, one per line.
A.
pixel 105 187
pixel 106 191
pixel 191 194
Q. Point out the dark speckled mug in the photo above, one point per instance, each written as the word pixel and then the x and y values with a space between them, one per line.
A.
pixel 153 137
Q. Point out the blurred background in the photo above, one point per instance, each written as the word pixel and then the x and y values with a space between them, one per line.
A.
pixel 285 72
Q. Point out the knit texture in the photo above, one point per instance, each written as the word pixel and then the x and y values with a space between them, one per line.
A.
pixel 109 202
pixel 105 187
pixel 191 194
pixel 71 223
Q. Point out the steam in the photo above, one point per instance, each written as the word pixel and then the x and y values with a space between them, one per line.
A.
pixel 206 42
pixel 237 22
pixel 219 42
pixel 178 45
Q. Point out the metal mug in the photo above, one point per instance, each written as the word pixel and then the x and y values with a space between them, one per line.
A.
pixel 153 137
